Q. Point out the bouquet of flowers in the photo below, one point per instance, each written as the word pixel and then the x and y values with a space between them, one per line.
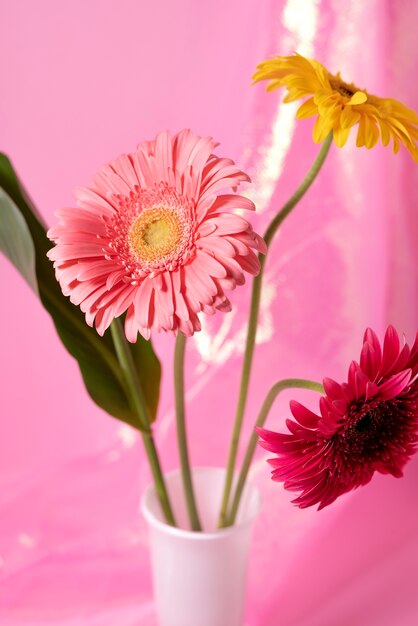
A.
pixel 161 237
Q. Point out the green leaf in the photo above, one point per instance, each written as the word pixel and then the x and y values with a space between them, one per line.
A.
pixel 96 355
pixel 16 241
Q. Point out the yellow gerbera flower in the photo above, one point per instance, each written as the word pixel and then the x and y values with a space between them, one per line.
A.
pixel 339 105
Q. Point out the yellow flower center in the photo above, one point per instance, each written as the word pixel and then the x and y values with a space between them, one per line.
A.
pixel 154 234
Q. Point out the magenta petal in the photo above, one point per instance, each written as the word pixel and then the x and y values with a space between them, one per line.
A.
pixel 271 436
pixel 332 389
pixel 395 385
pixel 368 424
pixel 304 416
pixel 352 371
pixel 391 347
pixel 371 390
pixel 371 338
pixel 370 358
pixel 413 356
pixel 403 360
pixel 340 406
pixel 360 384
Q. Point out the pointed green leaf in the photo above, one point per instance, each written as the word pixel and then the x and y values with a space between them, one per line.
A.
pixel 16 241
pixel 96 355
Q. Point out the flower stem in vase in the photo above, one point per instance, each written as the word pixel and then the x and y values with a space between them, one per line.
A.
pixel 253 320
pixel 138 403
pixel 181 432
pixel 289 383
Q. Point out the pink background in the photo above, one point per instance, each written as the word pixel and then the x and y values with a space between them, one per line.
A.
pixel 85 81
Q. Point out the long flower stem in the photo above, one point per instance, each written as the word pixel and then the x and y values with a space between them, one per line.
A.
pixel 289 383
pixel 181 432
pixel 252 323
pixel 138 404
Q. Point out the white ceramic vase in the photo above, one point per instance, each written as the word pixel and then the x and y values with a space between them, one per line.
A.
pixel 199 578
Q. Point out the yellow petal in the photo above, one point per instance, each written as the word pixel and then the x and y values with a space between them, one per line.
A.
pixel 361 133
pixel 273 84
pixel 323 99
pixel 401 111
pixel 371 133
pixel 321 129
pixel 341 136
pixel 339 106
pixel 396 124
pixel 333 115
pixel 358 98
pixel 349 117
pixel 307 109
pixel 384 132
pixel 293 95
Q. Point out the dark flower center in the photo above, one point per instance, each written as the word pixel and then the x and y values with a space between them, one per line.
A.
pixel 366 430
pixel 379 435
pixel 338 85
pixel 369 434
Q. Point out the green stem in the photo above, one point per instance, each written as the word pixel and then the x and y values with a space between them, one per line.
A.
pixel 289 383
pixel 138 403
pixel 300 191
pixel 181 432
pixel 252 323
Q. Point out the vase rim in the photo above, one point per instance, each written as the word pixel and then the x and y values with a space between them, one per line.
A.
pixel 192 534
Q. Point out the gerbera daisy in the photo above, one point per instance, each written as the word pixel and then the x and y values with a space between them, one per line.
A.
pixel 340 105
pixel 153 236
pixel 366 425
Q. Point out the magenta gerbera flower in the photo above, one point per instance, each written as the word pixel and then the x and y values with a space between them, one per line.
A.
pixel 153 235
pixel 367 425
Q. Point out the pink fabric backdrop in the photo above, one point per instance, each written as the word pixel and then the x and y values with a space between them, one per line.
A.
pixel 85 81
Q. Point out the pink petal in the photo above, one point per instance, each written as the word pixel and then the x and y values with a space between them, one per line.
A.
pixel 131 328
pixel 76 251
pixel 225 202
pixel 221 303
pixel 103 269
pixel 81 291
pixel 200 284
pixel 90 301
pixel 239 246
pixel 142 303
pixel 124 167
pixel 164 153
pixel 106 178
pixel 88 271
pixel 208 264
pixel 92 202
pixel 228 224
pixel 249 263
pixel 218 245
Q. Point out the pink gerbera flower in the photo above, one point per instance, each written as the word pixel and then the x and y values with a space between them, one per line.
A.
pixel 368 424
pixel 153 236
